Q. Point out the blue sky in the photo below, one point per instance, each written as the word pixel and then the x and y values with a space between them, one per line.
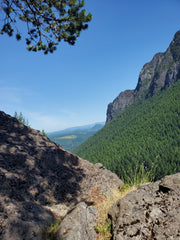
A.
pixel 74 85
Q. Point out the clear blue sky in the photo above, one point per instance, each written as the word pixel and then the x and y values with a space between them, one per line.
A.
pixel 74 85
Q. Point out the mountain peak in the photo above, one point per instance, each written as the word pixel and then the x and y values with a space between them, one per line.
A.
pixel 175 46
pixel 160 73
pixel 177 36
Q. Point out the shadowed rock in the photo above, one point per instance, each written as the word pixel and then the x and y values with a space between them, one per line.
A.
pixel 41 181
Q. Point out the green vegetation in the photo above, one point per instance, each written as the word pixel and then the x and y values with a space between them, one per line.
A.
pixel 48 233
pixel 44 133
pixel 143 141
pixel 21 118
pixel 104 225
pixel 104 229
pixel 48 21
pixel 141 174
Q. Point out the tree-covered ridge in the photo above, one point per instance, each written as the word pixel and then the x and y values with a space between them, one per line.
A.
pixel 147 134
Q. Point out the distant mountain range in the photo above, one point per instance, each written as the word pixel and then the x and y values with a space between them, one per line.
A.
pixel 142 131
pixel 71 138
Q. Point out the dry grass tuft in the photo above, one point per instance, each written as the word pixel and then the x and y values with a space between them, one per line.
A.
pixel 103 205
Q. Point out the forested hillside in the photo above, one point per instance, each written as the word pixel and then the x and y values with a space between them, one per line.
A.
pixel 144 135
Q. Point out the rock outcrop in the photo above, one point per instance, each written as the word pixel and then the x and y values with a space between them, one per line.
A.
pixel 40 181
pixel 158 74
pixel 78 224
pixel 150 212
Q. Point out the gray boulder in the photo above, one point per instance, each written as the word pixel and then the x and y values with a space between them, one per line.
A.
pixel 150 212
pixel 78 224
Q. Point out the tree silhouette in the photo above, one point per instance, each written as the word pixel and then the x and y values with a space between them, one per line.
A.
pixel 47 21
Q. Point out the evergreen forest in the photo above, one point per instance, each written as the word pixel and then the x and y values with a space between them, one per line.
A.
pixel 143 139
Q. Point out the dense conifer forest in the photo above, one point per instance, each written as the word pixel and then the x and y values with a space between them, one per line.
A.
pixel 143 137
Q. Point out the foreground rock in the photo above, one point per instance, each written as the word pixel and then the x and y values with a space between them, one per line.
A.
pixel 78 224
pixel 40 181
pixel 151 212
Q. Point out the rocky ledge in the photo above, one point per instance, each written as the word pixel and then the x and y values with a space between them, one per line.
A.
pixel 41 182
pixel 150 212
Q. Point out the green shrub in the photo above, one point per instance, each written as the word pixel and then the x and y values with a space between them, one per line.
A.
pixel 21 118
pixel 48 233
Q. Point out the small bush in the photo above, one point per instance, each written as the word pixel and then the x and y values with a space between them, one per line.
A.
pixel 104 229
pixel 48 233
pixel 21 118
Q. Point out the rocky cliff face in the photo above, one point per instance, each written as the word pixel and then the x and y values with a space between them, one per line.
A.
pixel 40 181
pixel 158 74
